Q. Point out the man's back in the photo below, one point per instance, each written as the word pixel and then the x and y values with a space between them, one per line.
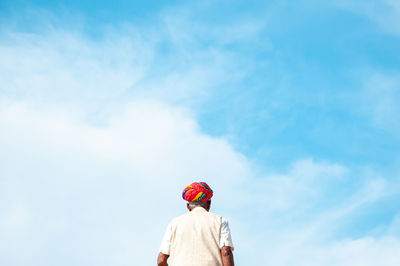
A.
pixel 195 239
pixel 198 238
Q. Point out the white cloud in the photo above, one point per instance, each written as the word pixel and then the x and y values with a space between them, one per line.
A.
pixel 75 190
pixel 361 252
pixel 304 181
pixel 89 166
pixel 66 66
pixel 386 13
pixel 102 190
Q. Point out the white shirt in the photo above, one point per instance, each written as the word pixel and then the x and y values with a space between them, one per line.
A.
pixel 225 238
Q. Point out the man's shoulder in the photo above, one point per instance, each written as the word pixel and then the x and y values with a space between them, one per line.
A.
pixel 179 218
pixel 215 215
pixel 188 214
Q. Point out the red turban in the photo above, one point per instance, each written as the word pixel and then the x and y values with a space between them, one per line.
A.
pixel 197 191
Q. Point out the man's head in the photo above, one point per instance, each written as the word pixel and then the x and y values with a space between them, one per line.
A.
pixel 198 194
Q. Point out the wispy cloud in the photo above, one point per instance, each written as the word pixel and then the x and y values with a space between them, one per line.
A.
pixel 382 95
pixel 386 13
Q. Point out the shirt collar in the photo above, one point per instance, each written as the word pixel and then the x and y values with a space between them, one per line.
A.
pixel 198 208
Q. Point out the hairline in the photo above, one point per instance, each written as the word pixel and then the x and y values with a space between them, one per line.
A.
pixel 198 203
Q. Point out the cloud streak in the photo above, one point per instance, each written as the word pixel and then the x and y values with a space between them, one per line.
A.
pixel 385 13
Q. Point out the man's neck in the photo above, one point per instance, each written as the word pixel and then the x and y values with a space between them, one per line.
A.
pixel 198 208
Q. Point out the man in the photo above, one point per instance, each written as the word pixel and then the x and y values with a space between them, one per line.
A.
pixel 199 237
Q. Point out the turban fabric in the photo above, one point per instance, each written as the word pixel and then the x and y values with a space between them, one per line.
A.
pixel 197 191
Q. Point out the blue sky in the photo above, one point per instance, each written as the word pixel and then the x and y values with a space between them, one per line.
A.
pixel 288 110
